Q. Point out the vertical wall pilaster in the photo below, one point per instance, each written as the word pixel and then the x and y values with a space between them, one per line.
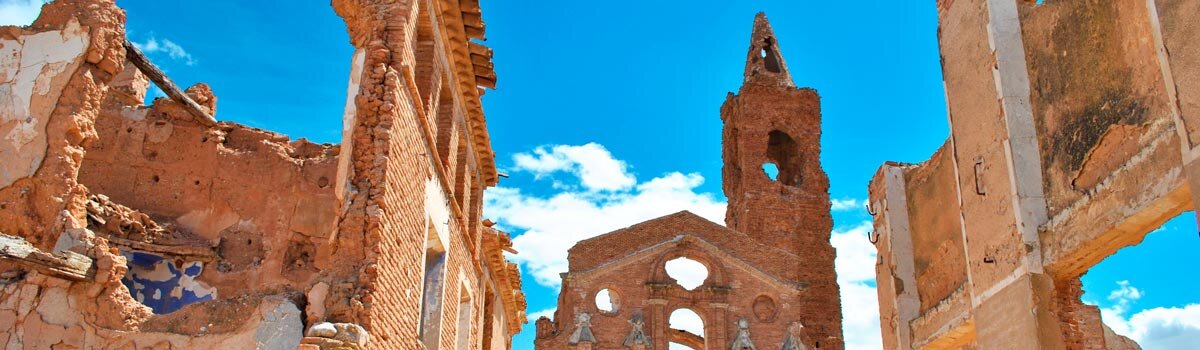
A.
pixel 895 211
pixel 1016 311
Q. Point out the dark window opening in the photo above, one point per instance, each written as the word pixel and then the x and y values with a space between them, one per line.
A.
pixel 447 128
pixel 771 59
pixel 784 154
pixel 431 294
pixel 489 315
pixel 424 51
pixel 463 331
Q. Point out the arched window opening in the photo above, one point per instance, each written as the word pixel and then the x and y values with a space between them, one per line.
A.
pixel 607 301
pixel 784 153
pixel 688 273
pixel 686 330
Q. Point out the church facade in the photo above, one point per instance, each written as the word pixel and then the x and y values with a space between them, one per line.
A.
pixel 771 282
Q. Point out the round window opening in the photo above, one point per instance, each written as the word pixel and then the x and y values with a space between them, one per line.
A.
pixel 606 301
pixel 688 273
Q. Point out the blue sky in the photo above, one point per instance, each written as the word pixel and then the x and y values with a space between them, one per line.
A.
pixel 606 114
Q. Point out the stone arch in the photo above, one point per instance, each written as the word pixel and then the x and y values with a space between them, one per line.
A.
pixel 685 337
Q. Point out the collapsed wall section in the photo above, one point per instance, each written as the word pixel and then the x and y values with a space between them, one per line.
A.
pixel 203 235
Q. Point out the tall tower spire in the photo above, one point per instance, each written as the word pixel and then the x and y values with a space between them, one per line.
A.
pixel 778 193
pixel 773 178
pixel 764 63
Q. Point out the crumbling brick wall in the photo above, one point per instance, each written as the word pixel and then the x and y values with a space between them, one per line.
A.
pixel 1066 137
pixel 195 234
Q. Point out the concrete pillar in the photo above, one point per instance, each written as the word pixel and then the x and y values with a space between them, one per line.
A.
pixel 1190 153
pixel 895 212
pixel 1015 311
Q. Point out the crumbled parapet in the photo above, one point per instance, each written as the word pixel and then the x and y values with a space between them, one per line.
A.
pixel 335 336
pixel 57 69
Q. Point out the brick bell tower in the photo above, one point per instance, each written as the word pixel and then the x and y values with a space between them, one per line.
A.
pixel 770 123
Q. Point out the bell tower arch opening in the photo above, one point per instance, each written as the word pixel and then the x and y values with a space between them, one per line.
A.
pixel 784 153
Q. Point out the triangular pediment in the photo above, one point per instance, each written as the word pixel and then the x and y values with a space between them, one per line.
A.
pixel 671 229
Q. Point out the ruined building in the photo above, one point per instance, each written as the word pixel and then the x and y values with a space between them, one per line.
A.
pixel 131 226
pixel 770 283
pixel 1075 128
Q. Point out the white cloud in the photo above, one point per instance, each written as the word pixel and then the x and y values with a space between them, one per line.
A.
pixel 553 224
pixel 847 204
pixel 547 226
pixel 20 12
pixel 591 163
pixel 1153 329
pixel 855 266
pixel 549 313
pixel 168 47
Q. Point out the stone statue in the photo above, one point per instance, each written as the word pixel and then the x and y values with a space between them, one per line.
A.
pixel 794 341
pixel 583 330
pixel 741 341
pixel 637 335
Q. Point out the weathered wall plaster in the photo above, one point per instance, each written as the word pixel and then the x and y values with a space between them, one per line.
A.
pixel 34 69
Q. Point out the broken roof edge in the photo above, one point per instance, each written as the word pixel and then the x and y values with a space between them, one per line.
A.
pixel 460 48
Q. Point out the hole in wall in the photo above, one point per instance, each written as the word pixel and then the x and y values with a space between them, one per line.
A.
pixel 771 59
pixel 163 284
pixel 606 301
pixel 784 153
pixel 154 178
pixel 771 170
pixel 688 273
pixel 1137 297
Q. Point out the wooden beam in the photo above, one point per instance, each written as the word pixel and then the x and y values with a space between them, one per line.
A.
pixel 163 82
pixel 66 265
pixel 479 49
